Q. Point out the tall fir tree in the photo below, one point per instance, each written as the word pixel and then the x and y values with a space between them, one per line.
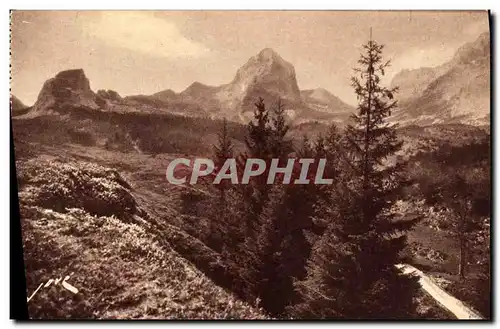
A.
pixel 259 132
pixel 279 145
pixel 258 143
pixel 352 272
pixel 219 223
pixel 278 250
pixel 223 151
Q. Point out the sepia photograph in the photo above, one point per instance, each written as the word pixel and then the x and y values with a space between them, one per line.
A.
pixel 252 164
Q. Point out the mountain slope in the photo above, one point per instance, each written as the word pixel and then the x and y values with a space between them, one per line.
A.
pixel 165 95
pixel 17 107
pixel 455 92
pixel 323 100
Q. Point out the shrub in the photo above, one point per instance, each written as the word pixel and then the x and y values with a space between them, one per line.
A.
pixel 56 185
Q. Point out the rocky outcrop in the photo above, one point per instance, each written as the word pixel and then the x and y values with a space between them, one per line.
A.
pixel 67 88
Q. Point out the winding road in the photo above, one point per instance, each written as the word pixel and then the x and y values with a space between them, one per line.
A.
pixel 449 302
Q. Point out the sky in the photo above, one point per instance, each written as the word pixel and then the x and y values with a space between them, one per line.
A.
pixel 143 52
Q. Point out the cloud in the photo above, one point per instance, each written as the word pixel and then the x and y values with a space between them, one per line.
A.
pixel 143 32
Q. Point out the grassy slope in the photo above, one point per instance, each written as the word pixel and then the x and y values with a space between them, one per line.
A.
pixel 122 264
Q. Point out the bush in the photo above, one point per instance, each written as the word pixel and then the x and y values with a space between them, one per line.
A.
pixel 475 292
pixel 81 136
pixel 56 185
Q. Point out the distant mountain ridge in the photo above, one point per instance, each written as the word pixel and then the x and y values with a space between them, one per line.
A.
pixel 457 91
pixel 16 104
pixel 265 75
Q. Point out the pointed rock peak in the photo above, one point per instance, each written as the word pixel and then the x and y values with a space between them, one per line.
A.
pixel 74 79
pixel 268 54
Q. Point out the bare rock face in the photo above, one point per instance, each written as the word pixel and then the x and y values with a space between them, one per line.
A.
pixel 109 94
pixel 456 92
pixel 412 83
pixel 265 75
pixel 67 88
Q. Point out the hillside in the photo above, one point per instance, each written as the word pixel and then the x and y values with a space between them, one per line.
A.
pixel 117 255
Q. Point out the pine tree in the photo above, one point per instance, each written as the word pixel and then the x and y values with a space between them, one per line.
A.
pixel 352 271
pixel 222 151
pixel 218 224
pixel 258 144
pixel 277 251
pixel 259 132
pixel 319 147
pixel 279 145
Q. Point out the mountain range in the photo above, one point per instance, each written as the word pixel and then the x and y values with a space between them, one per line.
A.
pixel 457 91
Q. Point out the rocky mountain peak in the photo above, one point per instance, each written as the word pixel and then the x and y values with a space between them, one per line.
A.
pixel 67 88
pixel 456 91
pixel 265 75
pixel 268 54
pixel 476 51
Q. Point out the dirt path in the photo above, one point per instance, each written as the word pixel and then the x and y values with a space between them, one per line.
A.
pixel 454 305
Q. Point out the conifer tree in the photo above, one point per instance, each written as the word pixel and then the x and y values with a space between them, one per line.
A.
pixel 222 151
pixel 278 250
pixel 279 145
pixel 319 147
pixel 259 132
pixel 254 195
pixel 352 271
pixel 220 221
